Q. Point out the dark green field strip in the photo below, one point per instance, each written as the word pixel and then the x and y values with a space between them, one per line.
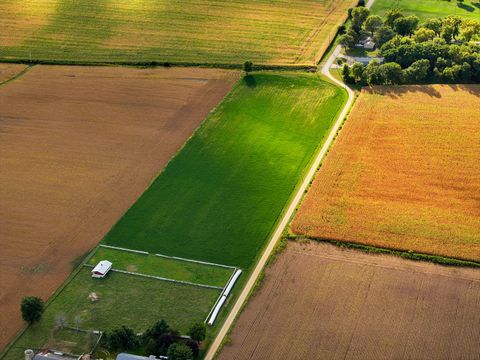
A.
pixel 425 9
pixel 128 300
pixel 163 267
pixel 220 197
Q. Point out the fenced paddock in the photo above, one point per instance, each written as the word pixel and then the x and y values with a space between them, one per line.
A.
pixel 123 299
pixel 162 267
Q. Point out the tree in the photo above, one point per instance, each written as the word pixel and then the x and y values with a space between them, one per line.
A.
pixel 60 321
pixel 390 73
pixel 383 34
pixel 372 23
pixel 371 73
pixel 359 15
pixel 433 24
pixel 451 26
pixel 423 34
pixel 391 16
pixel 197 331
pixel 347 78
pixel 159 328
pixel 470 29
pixel 466 72
pixel 348 41
pixel 32 308
pixel 356 72
pixel 417 72
pixel 452 73
pixel 122 339
pixel 247 67
pixel 406 25
pixel 179 351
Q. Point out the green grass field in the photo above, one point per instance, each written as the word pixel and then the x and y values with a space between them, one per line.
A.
pixel 159 266
pixel 205 31
pixel 123 300
pixel 425 9
pixel 220 197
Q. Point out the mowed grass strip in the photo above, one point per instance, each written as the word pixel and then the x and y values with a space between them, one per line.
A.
pixel 123 299
pixel 404 173
pixel 163 267
pixel 220 197
pixel 425 9
pixel 207 31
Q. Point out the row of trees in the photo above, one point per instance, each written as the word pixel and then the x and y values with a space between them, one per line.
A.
pixel 158 340
pixel 442 50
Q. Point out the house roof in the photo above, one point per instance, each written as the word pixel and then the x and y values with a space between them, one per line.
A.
pixel 125 356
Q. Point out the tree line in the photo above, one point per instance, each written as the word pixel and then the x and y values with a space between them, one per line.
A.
pixel 443 50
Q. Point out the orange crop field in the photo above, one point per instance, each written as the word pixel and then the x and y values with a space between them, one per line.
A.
pixel 78 146
pixel 404 173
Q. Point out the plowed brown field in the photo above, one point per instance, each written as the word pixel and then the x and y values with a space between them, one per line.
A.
pixel 77 147
pixel 322 302
pixel 404 173
pixel 8 71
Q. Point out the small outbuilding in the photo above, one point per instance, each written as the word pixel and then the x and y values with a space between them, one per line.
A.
pixel 101 269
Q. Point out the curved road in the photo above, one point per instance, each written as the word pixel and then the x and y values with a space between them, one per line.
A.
pixel 289 212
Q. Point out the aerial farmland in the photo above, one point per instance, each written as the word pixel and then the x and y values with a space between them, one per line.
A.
pixel 248 179
pixel 70 170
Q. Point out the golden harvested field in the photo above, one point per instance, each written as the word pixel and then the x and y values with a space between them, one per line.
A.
pixel 8 71
pixel 202 31
pixel 78 146
pixel 404 173
pixel 321 302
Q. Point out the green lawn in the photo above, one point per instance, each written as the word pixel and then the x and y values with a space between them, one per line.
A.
pixel 123 300
pixel 208 31
pixel 220 197
pixel 425 9
pixel 159 266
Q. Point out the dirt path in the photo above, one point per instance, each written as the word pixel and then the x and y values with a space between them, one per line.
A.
pixel 287 215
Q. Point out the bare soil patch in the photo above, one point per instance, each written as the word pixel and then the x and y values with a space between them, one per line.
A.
pixel 404 173
pixel 8 71
pixel 322 302
pixel 78 146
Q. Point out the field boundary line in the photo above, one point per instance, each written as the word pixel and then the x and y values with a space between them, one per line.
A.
pixel 124 249
pixel 195 261
pixel 161 278
pixel 281 226
pixel 16 76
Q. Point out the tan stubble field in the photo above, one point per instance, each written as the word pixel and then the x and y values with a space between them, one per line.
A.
pixel 319 302
pixel 77 147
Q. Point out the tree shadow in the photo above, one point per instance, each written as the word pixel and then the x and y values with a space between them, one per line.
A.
pixel 466 7
pixel 250 81
pixel 476 4
pixel 396 92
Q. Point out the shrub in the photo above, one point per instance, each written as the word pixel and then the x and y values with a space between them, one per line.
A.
pixel 122 339
pixel 179 351
pixel 32 308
